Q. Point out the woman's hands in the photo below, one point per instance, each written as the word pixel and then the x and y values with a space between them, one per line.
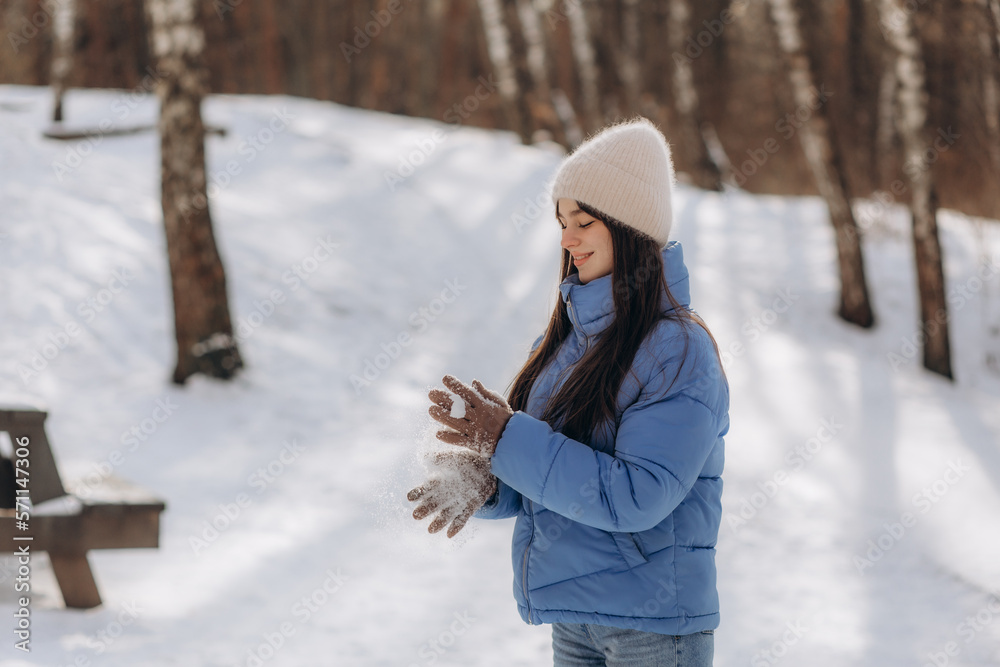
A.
pixel 466 483
pixel 486 416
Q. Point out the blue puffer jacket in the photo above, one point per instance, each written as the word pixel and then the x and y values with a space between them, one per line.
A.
pixel 621 532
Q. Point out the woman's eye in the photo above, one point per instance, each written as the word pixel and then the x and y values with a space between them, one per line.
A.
pixel 587 225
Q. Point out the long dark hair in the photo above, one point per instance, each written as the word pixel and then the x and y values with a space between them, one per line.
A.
pixel 588 398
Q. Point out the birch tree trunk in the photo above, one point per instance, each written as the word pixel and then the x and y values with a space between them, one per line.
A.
pixel 705 172
pixel 498 41
pixel 543 107
pixel 63 39
pixel 204 333
pixel 912 100
pixel 820 148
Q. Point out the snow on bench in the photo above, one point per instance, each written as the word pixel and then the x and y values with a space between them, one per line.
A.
pixel 66 523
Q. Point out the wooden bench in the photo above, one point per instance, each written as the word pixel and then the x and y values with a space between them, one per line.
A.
pixel 112 514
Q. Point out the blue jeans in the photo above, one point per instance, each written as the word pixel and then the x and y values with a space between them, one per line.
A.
pixel 578 644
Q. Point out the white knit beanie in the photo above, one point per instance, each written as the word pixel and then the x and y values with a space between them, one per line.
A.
pixel 625 171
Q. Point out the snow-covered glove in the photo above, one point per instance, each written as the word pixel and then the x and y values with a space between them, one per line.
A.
pixel 486 416
pixel 463 485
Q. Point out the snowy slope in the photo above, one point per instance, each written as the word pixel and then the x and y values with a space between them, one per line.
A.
pixel 451 269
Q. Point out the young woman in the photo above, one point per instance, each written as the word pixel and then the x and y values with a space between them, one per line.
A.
pixel 609 446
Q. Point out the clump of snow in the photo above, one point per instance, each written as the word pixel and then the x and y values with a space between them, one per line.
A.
pixel 450 471
pixel 63 505
pixel 457 406
pixel 456 478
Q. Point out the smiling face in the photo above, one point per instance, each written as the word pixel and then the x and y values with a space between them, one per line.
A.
pixel 587 239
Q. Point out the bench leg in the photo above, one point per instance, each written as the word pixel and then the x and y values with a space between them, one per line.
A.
pixel 76 581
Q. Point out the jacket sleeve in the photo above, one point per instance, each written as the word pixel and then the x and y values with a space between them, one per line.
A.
pixel 661 446
pixel 506 502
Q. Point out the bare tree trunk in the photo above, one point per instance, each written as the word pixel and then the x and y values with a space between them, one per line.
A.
pixel 320 69
pixel 886 123
pixel 562 72
pixel 499 45
pixel 293 19
pixel 543 107
pixel 376 83
pixel 528 105
pixel 451 52
pixel 604 23
pixel 860 83
pixel 629 67
pixel 63 39
pixel 995 13
pixel 705 172
pixel 433 33
pixel 586 64
pixel 821 152
pixel 272 64
pixel 897 22
pixel 204 332
pixel 991 99
pixel 615 39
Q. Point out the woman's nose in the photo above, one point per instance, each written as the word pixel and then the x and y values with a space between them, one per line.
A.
pixel 569 238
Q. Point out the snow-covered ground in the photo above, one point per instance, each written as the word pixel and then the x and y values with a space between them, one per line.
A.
pixel 862 494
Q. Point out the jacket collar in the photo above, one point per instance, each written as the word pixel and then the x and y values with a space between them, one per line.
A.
pixel 591 305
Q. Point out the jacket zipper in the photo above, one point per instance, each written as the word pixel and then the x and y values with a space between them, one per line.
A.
pixel 524 570
pixel 576 325
pixel 531 513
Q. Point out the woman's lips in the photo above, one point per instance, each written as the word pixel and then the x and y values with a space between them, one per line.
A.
pixel 580 259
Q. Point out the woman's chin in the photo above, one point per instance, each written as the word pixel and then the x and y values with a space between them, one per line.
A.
pixel 587 276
